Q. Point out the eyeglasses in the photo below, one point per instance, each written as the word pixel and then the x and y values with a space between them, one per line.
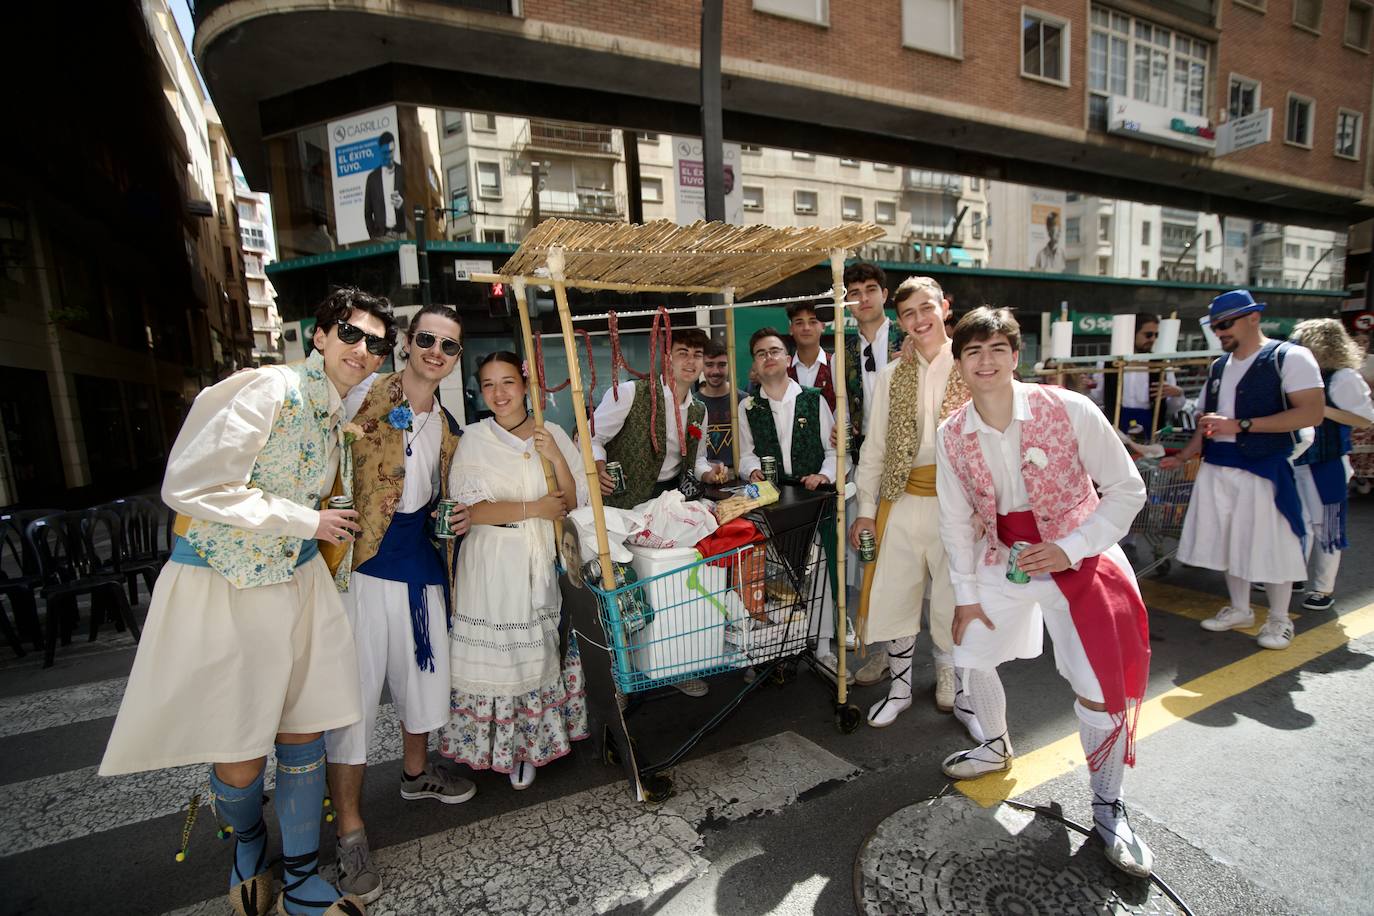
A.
pixel 870 365
pixel 1224 325
pixel 425 340
pixel 770 353
pixel 377 346
pixel 1149 335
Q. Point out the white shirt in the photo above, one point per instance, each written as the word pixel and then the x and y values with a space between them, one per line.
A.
pixel 425 441
pixel 934 377
pixel 1102 454
pixel 213 456
pixel 1350 392
pixel 870 379
pixel 784 414
pixel 1135 390
pixel 1300 372
pixel 389 188
pixel 806 375
pixel 610 420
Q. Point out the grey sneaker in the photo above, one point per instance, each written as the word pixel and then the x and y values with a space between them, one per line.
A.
pixel 356 874
pixel 696 687
pixel 437 784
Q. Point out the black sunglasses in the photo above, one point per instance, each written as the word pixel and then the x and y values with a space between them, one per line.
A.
pixel 377 346
pixel 424 340
pixel 1149 335
pixel 1224 325
pixel 870 364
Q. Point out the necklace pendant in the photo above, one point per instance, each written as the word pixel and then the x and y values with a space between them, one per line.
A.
pixel 409 453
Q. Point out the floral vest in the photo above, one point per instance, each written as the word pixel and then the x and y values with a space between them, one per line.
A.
pixel 808 452
pixel 904 423
pixel 640 461
pixel 379 465
pixel 292 466
pixel 1061 493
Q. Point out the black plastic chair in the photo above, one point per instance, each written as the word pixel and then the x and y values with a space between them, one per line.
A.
pixel 19 579
pixel 141 555
pixel 80 553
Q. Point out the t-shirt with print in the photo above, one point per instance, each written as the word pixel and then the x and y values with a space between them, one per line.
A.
pixel 718 411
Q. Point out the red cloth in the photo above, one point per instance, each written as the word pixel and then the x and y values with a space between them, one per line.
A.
pixel 734 533
pixel 1113 625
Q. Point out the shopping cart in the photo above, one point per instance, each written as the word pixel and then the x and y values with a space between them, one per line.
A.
pixel 752 614
pixel 1159 523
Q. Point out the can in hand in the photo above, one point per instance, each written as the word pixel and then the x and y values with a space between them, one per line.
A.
pixel 868 546
pixel 442 529
pixel 618 475
pixel 1014 571
pixel 341 502
pixel 769 465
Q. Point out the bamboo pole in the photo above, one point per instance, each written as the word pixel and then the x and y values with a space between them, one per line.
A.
pixel 584 433
pixel 599 284
pixel 536 398
pixel 734 376
pixel 1120 367
pixel 841 454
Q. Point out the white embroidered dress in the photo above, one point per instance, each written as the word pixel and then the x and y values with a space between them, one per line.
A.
pixel 511 699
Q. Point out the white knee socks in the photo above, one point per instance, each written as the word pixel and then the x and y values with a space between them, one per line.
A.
pixel 1280 593
pixel 989 702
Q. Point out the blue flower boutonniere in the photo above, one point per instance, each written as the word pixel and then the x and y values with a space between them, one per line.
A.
pixel 401 416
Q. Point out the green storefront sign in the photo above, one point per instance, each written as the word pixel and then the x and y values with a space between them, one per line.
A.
pixel 1097 324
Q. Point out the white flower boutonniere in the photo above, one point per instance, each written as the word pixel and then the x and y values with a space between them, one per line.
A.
pixel 1037 457
pixel 801 421
pixel 749 403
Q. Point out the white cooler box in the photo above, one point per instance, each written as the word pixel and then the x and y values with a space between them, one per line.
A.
pixel 692 608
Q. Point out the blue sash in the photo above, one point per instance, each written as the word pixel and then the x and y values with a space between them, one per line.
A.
pixel 1143 416
pixel 183 552
pixel 1275 469
pixel 1329 476
pixel 406 555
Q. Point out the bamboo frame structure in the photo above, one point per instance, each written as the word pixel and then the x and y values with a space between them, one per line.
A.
pixel 535 391
pixel 841 457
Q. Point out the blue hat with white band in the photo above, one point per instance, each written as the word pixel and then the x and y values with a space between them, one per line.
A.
pixel 1232 305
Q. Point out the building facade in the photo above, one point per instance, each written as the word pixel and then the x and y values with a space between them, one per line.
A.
pixel 253 211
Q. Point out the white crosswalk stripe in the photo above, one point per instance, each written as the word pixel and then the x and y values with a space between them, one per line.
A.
pixel 32 712
pixel 591 851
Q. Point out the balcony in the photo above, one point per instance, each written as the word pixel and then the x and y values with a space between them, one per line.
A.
pixel 926 180
pixel 583 203
pixel 928 232
pixel 565 137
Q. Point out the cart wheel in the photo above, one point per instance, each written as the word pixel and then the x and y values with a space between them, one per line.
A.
pixel 658 787
pixel 785 673
pixel 847 718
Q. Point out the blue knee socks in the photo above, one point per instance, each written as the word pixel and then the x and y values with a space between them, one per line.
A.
pixel 242 810
pixel 299 802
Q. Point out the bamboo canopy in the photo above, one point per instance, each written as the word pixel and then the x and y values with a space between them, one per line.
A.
pixel 664 257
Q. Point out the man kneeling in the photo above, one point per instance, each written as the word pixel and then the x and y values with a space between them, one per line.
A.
pixel 1016 467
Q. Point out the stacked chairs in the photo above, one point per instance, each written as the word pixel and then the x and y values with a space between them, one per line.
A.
pixel 19 580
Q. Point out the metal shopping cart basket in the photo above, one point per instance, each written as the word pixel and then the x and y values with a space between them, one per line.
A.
pixel 1159 524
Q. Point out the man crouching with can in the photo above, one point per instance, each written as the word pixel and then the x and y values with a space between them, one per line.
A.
pixel 403 442
pixel 1016 468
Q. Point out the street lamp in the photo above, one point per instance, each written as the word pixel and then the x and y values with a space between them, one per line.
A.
pixel 1314 267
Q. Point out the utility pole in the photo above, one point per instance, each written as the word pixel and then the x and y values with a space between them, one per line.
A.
pixel 422 255
pixel 629 139
pixel 712 135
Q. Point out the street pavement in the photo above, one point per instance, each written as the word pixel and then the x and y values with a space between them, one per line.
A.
pixel 1253 786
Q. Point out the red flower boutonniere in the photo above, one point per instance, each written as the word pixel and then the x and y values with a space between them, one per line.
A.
pixel 694 431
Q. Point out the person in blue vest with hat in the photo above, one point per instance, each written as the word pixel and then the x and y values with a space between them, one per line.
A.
pixel 1246 517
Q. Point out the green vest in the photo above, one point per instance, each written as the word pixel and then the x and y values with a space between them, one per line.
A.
pixel 638 458
pixel 808 451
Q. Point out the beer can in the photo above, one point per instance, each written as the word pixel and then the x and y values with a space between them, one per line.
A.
pixel 1014 571
pixel 868 546
pixel 341 502
pixel 618 475
pixel 442 528
pixel 769 465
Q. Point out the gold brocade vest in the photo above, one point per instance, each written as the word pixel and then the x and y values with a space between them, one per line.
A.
pixel 379 464
pixel 904 422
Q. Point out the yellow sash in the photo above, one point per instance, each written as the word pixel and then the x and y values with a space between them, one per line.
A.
pixel 920 481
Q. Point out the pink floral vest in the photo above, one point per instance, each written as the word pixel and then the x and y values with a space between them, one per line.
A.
pixel 1061 494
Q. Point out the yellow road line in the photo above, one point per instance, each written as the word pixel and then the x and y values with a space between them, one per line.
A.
pixel 1195 605
pixel 1066 754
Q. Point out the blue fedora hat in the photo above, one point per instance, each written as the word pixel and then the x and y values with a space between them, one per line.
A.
pixel 1232 305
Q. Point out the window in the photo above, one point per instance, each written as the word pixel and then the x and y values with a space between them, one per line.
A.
pixel 974 184
pixel 1359 16
pixel 1104 266
pixel 488 180
pixel 1145 268
pixel 1044 47
pixel 253 237
pixel 851 163
pixel 813 11
pixel 1348 133
pixel 1292 251
pixel 804 201
pixel 458 190
pixel 936 26
pixel 1104 228
pixel 245 211
pixel 1145 229
pixel 885 212
pixel 1257 5
pixel 1297 129
pixel 1073 230
pixel 1206 240
pixel 800 155
pixel 977 224
pixel 851 208
pixel 484 122
pixel 883 166
pixel 1307 14
pixel 651 190
pixel 651 139
pixel 753 198
pixel 750 149
pixel 1311 253
pixel 1244 97
pixel 1136 58
pixel 497 236
pixel 1071 266
pixel 453 123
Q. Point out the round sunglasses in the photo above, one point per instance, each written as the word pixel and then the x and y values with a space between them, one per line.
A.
pixel 425 340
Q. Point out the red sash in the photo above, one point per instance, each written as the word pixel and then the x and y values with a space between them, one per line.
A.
pixel 1113 625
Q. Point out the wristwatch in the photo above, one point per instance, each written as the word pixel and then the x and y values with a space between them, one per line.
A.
pixel 1244 425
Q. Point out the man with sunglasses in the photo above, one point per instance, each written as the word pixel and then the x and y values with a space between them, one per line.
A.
pixel 247 643
pixel 1138 389
pixel 1245 517
pixel 403 441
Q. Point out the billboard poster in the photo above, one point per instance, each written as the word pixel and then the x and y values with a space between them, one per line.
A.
pixel 689 181
pixel 1045 246
pixel 1235 251
pixel 368 177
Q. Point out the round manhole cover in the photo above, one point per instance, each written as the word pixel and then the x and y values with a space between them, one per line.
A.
pixel 948 855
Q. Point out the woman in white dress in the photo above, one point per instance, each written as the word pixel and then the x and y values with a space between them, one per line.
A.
pixel 515 705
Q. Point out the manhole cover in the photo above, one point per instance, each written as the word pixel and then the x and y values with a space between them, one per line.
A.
pixel 948 855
